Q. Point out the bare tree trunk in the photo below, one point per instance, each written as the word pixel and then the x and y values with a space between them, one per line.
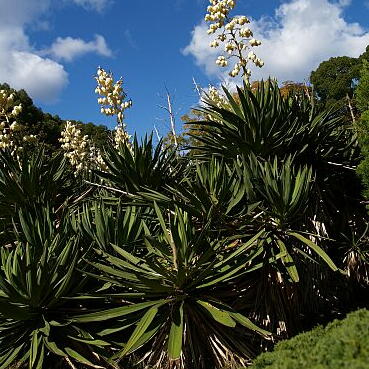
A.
pixel 172 119
pixel 197 88
pixel 310 96
pixel 351 109
pixel 157 133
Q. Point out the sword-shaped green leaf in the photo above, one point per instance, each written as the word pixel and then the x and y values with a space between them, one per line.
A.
pixel 176 333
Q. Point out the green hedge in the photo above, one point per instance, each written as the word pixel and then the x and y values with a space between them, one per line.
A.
pixel 342 344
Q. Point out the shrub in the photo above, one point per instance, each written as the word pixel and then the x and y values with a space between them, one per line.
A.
pixel 39 283
pixel 342 344
pixel 176 297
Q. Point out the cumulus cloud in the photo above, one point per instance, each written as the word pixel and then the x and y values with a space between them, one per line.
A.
pixel 39 72
pixel 20 65
pixel 98 5
pixel 41 77
pixel 300 35
pixel 199 48
pixel 69 48
pixel 21 12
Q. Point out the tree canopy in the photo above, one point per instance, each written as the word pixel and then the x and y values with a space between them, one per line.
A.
pixel 47 127
pixel 362 90
pixel 335 79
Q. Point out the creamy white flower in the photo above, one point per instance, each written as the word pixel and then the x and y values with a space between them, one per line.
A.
pixel 75 146
pixel 245 32
pixel 214 43
pixel 251 55
pixel 15 126
pixel 254 42
pixel 113 103
pixel 12 134
pixel 112 95
pixel 221 61
pixel 230 29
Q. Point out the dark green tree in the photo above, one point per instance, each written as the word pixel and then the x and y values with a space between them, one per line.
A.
pixel 362 90
pixel 362 126
pixel 334 80
pixel 48 127
pixel 99 134
pixel 365 55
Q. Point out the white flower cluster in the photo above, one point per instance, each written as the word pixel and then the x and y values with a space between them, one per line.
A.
pixel 9 126
pixel 78 149
pixel 215 96
pixel 112 103
pixel 112 95
pixel 237 38
pixel 121 136
pixel 76 146
pixel 96 159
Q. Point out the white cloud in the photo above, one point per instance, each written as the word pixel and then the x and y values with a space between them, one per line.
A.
pixel 69 48
pixel 23 66
pixel 301 34
pixel 199 48
pixel 21 12
pixel 98 5
pixel 42 78
pixel 20 64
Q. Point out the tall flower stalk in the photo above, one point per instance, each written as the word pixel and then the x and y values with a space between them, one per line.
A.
pixel 235 35
pixel 112 101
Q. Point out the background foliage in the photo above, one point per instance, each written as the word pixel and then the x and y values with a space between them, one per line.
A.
pixel 342 343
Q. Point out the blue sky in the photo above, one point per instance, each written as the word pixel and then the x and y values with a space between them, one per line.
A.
pixel 52 48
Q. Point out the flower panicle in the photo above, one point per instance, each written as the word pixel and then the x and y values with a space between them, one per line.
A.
pixel 113 103
pixel 79 150
pixel 112 97
pixel 12 134
pixel 236 36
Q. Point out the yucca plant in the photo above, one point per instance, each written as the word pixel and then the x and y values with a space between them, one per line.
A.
pixel 248 195
pixel 104 224
pixel 212 192
pixel 261 126
pixel 176 299
pixel 265 123
pixel 35 180
pixel 269 196
pixel 38 280
pixel 356 260
pixel 132 168
pixel 284 191
pixel 278 290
